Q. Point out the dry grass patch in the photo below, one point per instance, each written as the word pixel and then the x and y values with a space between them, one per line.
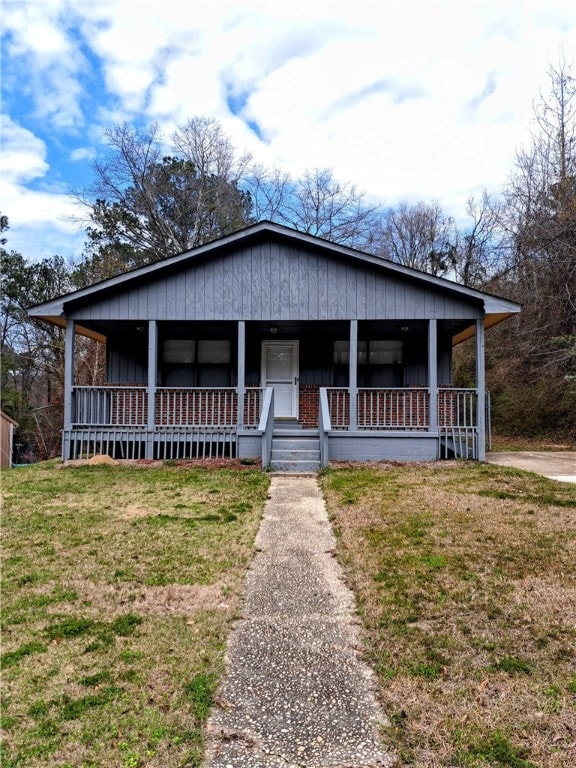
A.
pixel 465 580
pixel 115 622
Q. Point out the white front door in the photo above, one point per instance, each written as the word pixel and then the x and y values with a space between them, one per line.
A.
pixel 280 370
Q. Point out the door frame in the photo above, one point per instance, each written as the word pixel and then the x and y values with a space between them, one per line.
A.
pixel 295 344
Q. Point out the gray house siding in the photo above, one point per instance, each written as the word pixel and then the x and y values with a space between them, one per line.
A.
pixel 125 361
pixel 275 282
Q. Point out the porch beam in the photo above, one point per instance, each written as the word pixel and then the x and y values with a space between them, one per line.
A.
pixel 353 375
pixel 481 390
pixel 433 374
pixel 241 370
pixel 152 380
pixel 69 354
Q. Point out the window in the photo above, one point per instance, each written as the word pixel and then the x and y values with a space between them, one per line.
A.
pixel 179 351
pixel 196 363
pixel 385 353
pixel 371 352
pixel 379 363
pixel 214 352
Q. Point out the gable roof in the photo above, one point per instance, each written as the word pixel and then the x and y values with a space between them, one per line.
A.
pixel 56 310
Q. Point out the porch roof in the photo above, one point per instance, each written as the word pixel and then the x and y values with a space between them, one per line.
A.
pixel 493 308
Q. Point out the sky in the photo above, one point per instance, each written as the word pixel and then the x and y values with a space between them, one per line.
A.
pixel 409 100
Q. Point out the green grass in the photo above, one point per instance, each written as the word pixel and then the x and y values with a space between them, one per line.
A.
pixel 119 587
pixel 465 582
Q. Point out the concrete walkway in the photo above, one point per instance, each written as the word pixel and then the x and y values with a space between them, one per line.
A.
pixel 557 465
pixel 296 692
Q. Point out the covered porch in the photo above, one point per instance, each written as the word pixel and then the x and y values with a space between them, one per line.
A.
pixel 361 390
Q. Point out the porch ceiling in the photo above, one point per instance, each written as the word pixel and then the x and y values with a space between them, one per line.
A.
pixel 469 331
pixel 458 330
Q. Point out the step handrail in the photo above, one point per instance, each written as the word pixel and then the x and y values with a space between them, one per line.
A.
pixel 324 427
pixel 266 425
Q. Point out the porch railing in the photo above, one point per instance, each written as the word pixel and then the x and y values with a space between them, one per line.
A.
pixel 381 409
pixel 253 400
pixel 324 427
pixel 215 408
pixel 393 409
pixel 399 409
pixel 127 406
pixel 458 423
pixel 404 409
pixel 266 425
pixel 338 407
pixel 110 406
pixel 457 407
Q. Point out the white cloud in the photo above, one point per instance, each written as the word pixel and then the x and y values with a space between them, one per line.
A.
pixel 82 153
pixel 39 218
pixel 408 99
pixel 23 156
pixel 45 60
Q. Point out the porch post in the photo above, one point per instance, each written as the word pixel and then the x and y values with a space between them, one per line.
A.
pixel 480 390
pixel 353 375
pixel 433 374
pixel 241 371
pixel 69 348
pixel 152 379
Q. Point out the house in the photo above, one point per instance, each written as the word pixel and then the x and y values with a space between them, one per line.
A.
pixel 275 344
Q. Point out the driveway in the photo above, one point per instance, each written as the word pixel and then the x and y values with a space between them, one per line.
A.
pixel 557 465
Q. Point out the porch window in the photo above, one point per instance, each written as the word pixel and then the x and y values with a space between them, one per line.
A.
pixel 179 351
pixel 379 363
pixel 196 363
pixel 215 352
pixel 213 369
pixel 383 352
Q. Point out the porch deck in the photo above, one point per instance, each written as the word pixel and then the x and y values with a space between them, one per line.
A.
pixel 134 422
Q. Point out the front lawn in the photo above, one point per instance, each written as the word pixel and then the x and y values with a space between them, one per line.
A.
pixel 119 587
pixel 465 576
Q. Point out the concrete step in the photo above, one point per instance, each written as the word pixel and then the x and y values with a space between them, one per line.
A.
pixel 280 454
pixel 295 451
pixel 294 466
pixel 295 444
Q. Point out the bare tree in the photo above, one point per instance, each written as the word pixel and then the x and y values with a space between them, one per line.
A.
pixel 146 204
pixel 481 244
pixel 315 203
pixel 420 236
pixel 540 217
pixel 31 352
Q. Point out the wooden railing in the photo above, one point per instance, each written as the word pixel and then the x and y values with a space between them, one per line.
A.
pixel 253 399
pixel 457 407
pixel 393 409
pixel 403 409
pixel 215 408
pixel 338 407
pixel 110 406
pixel 324 427
pixel 118 406
pixel 399 409
pixel 458 423
pixel 381 409
pixel 266 425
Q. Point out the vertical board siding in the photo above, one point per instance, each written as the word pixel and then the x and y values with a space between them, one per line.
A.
pixel 323 313
pixel 273 281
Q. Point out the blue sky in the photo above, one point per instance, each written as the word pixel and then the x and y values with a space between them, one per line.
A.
pixel 407 100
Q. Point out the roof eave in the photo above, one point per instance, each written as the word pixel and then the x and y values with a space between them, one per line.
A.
pixel 489 322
